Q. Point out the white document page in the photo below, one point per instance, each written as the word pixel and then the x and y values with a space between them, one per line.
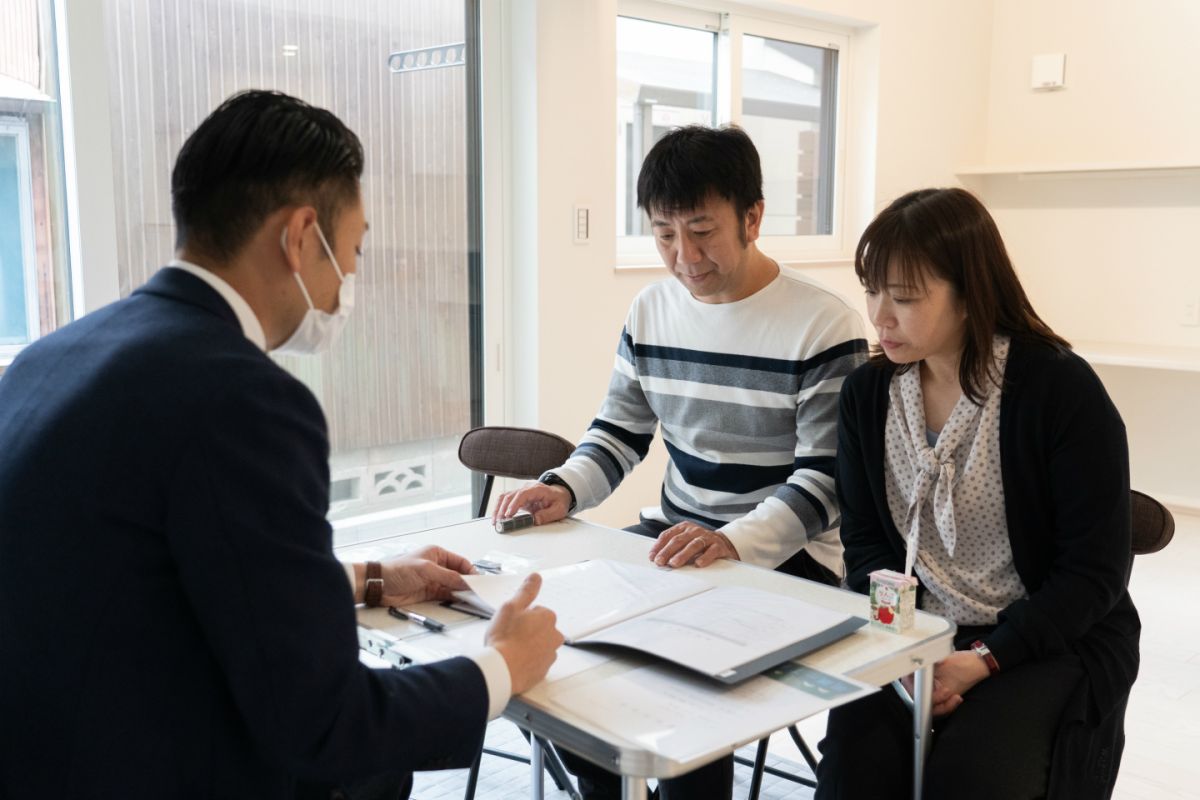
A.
pixel 721 629
pixel 684 717
pixel 590 595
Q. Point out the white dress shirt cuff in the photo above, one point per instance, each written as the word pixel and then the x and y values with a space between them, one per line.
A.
pixel 496 677
pixel 349 567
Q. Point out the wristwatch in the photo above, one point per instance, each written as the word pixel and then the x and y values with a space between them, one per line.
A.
pixel 983 651
pixel 373 594
pixel 550 479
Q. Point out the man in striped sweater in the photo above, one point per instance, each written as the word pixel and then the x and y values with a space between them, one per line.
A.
pixel 740 362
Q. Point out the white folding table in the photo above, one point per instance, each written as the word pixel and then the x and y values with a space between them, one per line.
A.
pixel 869 655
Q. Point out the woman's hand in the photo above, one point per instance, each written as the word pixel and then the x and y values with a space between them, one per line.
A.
pixel 953 677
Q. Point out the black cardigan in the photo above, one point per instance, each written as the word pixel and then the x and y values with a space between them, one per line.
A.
pixel 1065 468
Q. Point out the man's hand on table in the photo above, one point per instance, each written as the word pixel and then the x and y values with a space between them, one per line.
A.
pixel 546 503
pixel 430 573
pixel 688 542
pixel 525 636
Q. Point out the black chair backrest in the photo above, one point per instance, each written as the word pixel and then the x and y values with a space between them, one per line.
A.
pixel 1153 525
pixel 523 453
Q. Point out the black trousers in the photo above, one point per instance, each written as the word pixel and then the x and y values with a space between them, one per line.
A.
pixel 712 781
pixel 997 744
pixel 381 787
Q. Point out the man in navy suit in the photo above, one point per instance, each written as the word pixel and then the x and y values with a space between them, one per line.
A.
pixel 173 622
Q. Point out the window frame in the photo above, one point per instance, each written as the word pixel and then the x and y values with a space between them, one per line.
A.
pixel 639 252
pixel 18 128
pixel 636 249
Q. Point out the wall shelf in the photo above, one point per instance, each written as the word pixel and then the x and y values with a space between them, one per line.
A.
pixel 1179 504
pixel 1081 168
pixel 1142 356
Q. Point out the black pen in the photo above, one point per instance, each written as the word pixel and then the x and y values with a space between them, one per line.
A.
pixel 420 619
pixel 464 608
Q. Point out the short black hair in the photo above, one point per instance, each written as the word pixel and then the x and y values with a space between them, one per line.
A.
pixel 690 163
pixel 256 153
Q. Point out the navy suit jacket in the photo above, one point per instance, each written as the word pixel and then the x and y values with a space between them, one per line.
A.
pixel 172 620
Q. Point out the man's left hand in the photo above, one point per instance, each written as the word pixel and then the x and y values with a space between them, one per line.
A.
pixel 688 542
pixel 430 573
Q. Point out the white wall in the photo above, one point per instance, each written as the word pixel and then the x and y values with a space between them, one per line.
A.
pixel 920 71
pixel 1164 438
pixel 1109 257
pixel 1131 81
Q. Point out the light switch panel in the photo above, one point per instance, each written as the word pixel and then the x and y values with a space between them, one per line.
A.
pixel 1049 71
pixel 582 220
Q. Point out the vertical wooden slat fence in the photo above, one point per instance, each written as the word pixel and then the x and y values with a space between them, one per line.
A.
pixel 400 372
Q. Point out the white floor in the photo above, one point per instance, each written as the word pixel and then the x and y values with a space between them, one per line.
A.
pixel 1162 726
pixel 500 779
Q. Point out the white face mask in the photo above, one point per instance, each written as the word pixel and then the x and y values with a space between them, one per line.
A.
pixel 318 330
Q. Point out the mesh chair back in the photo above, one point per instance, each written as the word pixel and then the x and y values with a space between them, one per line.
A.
pixel 523 453
pixel 1153 525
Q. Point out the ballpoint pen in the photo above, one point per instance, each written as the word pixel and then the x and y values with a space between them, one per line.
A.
pixel 465 608
pixel 420 619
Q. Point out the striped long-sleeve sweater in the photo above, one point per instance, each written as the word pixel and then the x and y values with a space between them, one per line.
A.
pixel 746 394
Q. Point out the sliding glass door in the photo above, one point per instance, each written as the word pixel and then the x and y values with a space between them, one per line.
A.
pixel 402 385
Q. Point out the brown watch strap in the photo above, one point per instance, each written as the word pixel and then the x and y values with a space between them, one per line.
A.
pixel 373 594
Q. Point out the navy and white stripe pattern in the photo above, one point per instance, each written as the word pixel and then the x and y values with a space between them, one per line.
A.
pixel 746 395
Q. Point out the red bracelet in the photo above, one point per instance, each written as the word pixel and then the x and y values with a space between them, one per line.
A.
pixel 980 649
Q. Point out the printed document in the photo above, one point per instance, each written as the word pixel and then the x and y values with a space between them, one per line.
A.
pixel 728 633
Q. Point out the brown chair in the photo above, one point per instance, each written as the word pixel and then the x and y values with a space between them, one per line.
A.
pixel 1153 525
pixel 1153 528
pixel 522 453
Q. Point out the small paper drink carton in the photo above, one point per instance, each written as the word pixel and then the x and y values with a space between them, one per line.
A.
pixel 893 600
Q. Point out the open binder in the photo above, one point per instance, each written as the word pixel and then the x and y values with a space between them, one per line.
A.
pixel 726 633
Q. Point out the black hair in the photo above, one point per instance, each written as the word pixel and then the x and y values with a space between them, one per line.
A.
pixel 949 233
pixel 256 153
pixel 690 163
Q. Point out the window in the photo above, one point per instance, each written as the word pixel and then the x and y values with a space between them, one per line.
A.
pixel 665 79
pixel 788 107
pixel 34 264
pixel 18 262
pixel 398 388
pixel 779 82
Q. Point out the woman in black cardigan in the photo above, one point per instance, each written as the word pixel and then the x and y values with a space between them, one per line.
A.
pixel 1021 521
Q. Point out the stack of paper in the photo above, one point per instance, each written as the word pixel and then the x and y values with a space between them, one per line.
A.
pixel 725 633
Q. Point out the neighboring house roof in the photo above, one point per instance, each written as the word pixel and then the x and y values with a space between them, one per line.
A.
pixel 13 89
